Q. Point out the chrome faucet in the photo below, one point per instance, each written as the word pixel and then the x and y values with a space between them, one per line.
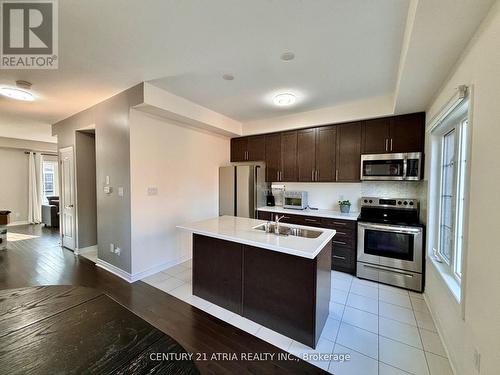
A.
pixel 277 225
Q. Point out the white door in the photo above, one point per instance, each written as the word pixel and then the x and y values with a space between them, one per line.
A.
pixel 67 211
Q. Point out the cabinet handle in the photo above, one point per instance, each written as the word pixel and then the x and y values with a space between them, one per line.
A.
pixel 338 257
pixel 341 233
pixel 317 174
pixel 338 223
pixel 391 144
pixel 277 175
pixel 336 175
pixel 311 220
pixel 312 175
pixel 340 242
pixel 387 144
pixel 246 155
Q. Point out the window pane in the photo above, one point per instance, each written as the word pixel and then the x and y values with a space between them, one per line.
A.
pixel 461 198
pixel 447 197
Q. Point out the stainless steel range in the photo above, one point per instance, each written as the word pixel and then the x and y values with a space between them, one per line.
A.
pixel 390 242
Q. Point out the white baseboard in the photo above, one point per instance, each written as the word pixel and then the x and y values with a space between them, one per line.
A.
pixel 127 276
pixel 158 268
pixel 114 270
pixel 14 223
pixel 84 250
pixel 440 333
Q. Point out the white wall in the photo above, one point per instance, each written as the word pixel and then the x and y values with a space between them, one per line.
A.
pixel 14 183
pixel 478 67
pixel 183 164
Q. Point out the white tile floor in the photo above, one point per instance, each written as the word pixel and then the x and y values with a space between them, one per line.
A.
pixel 385 330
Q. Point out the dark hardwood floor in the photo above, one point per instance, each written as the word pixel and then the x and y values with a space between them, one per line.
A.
pixel 65 329
pixel 34 258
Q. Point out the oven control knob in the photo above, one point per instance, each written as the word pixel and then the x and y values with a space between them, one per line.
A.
pixel 411 203
pixel 370 201
pixel 399 203
pixel 405 203
pixel 366 201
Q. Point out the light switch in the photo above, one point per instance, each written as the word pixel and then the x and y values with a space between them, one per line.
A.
pixel 120 191
pixel 108 189
pixel 107 180
pixel 152 190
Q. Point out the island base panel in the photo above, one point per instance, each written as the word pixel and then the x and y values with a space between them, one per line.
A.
pixel 217 271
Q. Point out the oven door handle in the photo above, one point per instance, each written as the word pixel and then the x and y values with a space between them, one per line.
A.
pixel 391 228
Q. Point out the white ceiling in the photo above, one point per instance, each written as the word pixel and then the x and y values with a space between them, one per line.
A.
pixel 345 51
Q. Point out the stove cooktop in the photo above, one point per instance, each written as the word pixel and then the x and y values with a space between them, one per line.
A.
pixel 395 211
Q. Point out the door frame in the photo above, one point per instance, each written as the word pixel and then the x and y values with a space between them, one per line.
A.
pixel 63 204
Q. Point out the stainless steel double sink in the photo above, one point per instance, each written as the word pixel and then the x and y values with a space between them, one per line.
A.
pixel 285 230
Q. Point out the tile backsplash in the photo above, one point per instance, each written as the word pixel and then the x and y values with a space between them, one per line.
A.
pixel 327 195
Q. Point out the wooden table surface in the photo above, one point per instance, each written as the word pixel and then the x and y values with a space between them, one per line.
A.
pixel 74 330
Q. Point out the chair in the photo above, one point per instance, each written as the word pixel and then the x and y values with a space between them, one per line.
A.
pixel 50 212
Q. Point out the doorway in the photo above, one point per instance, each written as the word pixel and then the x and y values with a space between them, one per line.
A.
pixel 86 194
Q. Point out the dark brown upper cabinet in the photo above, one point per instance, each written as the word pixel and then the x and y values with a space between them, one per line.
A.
pixel 407 133
pixel 248 148
pixel 348 152
pixel 273 157
pixel 376 136
pixel 288 157
pixel 404 133
pixel 306 155
pixel 326 153
pixel 330 153
pixel 239 149
pixel 316 154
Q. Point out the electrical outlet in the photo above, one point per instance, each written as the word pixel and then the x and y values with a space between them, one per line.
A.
pixel 152 190
pixel 112 247
pixel 118 251
pixel 477 360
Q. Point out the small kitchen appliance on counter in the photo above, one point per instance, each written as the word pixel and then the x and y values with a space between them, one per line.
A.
pixel 391 242
pixel 270 201
pixel 295 200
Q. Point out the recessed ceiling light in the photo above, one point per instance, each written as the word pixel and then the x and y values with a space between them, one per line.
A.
pixel 287 56
pixel 284 99
pixel 17 94
pixel 228 77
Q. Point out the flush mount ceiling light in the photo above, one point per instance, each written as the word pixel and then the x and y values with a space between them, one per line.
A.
pixel 228 77
pixel 287 56
pixel 285 99
pixel 19 93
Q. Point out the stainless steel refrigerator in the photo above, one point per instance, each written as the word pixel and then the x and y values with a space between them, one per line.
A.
pixel 242 189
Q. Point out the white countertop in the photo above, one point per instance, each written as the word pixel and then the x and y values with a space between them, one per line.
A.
pixel 240 229
pixel 308 212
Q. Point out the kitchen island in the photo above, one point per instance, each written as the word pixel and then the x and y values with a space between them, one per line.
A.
pixel 279 281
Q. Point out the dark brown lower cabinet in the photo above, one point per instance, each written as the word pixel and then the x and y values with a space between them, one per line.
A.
pixel 217 272
pixel 344 244
pixel 286 293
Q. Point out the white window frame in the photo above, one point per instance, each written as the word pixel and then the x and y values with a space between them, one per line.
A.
pixel 460 127
pixel 55 177
pixel 454 112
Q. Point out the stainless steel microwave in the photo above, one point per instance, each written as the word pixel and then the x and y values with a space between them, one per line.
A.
pixel 295 199
pixel 386 167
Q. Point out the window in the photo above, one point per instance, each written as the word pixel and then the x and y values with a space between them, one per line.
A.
pixel 49 179
pixel 452 137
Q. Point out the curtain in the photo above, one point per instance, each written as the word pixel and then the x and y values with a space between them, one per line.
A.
pixel 34 189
